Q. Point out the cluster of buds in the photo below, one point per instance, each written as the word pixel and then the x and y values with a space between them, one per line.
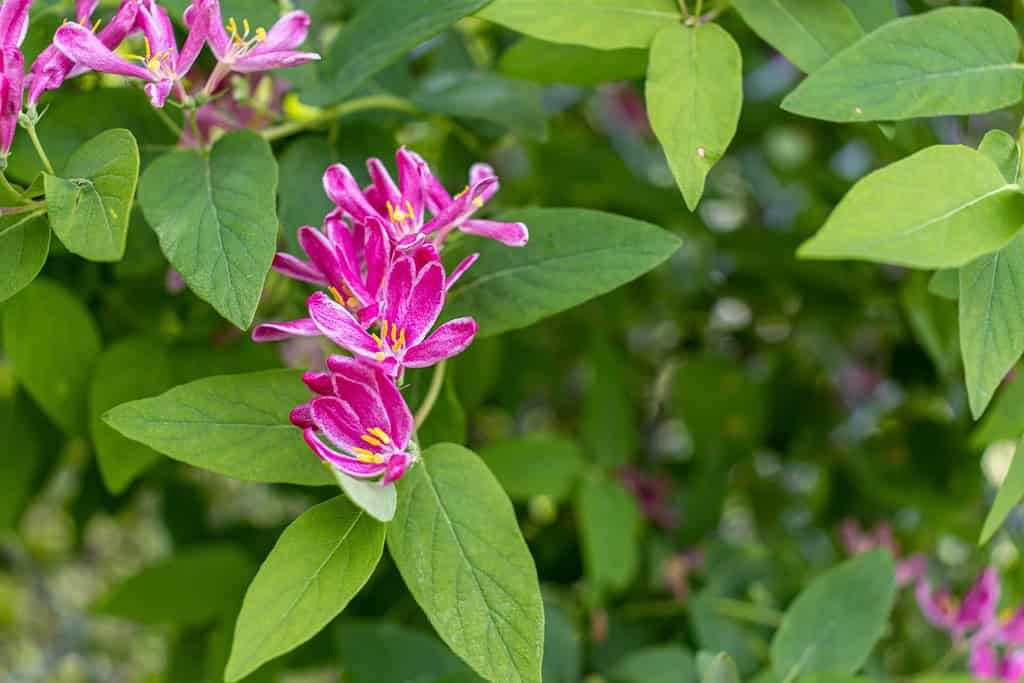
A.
pixel 83 46
pixel 378 261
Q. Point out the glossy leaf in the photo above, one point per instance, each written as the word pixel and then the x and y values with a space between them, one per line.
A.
pixel 90 206
pixel 320 562
pixel 807 32
pixel 609 532
pixel 1011 492
pixel 24 247
pixel 956 60
pixel 216 219
pixel 475 580
pixel 544 62
pixel 536 465
pixel 601 24
pixel 573 255
pixel 942 207
pixel 235 425
pixel 694 95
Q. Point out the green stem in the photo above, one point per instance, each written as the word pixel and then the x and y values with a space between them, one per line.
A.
pixel 684 9
pixel 700 8
pixel 337 111
pixel 6 185
pixel 745 611
pixel 169 122
pixel 432 393
pixel 194 120
pixel 34 137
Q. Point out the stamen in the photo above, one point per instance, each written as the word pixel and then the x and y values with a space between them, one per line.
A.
pixel 96 25
pixel 379 343
pixel 245 26
pixel 337 295
pixel 370 440
pixel 408 207
pixel 380 434
pixel 384 329
pixel 261 35
pixel 464 191
pixel 478 202
pixel 394 334
pixel 149 50
pixel 352 302
pixel 379 355
pixel 363 451
pixel 232 27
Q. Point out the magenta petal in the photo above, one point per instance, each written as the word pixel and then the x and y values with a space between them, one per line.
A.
pixel 363 470
pixel 376 255
pixel 194 41
pixel 13 22
pixel 321 383
pixel 301 416
pixel 216 35
pixel 461 208
pixel 13 79
pixel 266 61
pixel 911 569
pixel 84 10
pixel 425 302
pixel 448 340
pixel 460 269
pixel 512 234
pixel 321 253
pixel 411 169
pixel 340 421
pixel 980 603
pixel 271 332
pixel 286 34
pixel 481 172
pixel 1013 667
pixel 152 19
pixel 937 606
pixel 344 191
pixel 383 186
pixel 338 325
pixel 81 45
pixel 1013 630
pixel 158 92
pixel 288 265
pixel 398 288
pixel 396 466
pixel 982 661
pixel 399 415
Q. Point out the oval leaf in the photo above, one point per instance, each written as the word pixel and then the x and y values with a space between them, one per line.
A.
pixel 1011 491
pixel 24 246
pixel 609 530
pixel 694 97
pixel 235 425
pixel 317 566
pixel 897 73
pixel 836 621
pixel 942 207
pixel 1002 149
pixel 90 206
pixel 377 501
pixel 216 219
pixel 537 465
pixel 573 255
pixel 720 669
pixel 474 578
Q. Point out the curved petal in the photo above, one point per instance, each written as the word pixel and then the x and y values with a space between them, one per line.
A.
pixel 512 234
pixel 937 606
pixel 271 332
pixel 194 41
pixel 321 383
pixel 363 470
pixel 301 416
pixel 980 603
pixel 425 302
pixel 459 271
pixel 339 421
pixel 383 186
pixel 286 34
pixel 82 46
pixel 982 661
pixel 375 254
pixel 322 253
pixel 399 415
pixel 397 289
pixel 448 340
pixel 341 187
pixel 295 268
pixel 411 171
pixel 266 61
pixel 158 92
pixel 396 466
pixel 462 206
pixel 338 325
pixel 13 22
pixel 84 10
pixel 216 35
pixel 152 19
pixel 480 172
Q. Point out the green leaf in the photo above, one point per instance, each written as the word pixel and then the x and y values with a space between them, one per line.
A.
pixel 362 48
pixel 1011 491
pixel 320 562
pixel 1002 149
pixel 475 579
pixel 23 454
pixel 537 465
pixel 934 324
pixel 424 657
pixel 600 24
pixel 134 368
pixel 897 72
pixel 235 425
pixel 193 587
pixel 377 501
pixel 945 283
pixel 609 532
pixel 720 669
pixel 514 105
pixel 836 621
pixel 657 664
pixel 573 255
pixel 300 195
pixel 694 96
pixel 608 422
pixel 991 320
pixel 562 656
pixel 807 32
pixel 543 62
pixel 939 208
pixel 54 368
pixel 1005 420
pixel 216 219
pixel 872 14
pixel 24 246
pixel 89 208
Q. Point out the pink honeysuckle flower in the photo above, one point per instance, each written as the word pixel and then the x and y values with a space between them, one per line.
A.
pixel 856 541
pixel 14 22
pixel 985 663
pixel 652 493
pixel 403 207
pixel 412 303
pixel 253 50
pixel 52 67
pixel 977 610
pixel 13 27
pixel 163 66
pixel 363 417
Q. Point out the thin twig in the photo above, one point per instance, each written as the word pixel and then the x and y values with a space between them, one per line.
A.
pixel 337 111
pixel 436 382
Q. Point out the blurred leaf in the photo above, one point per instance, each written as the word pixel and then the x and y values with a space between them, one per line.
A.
pixel 660 664
pixel 24 246
pixel 89 209
pixel 195 586
pixel 536 465
pixel 509 103
pixel 54 368
pixel 934 324
pixel 716 632
pixel 872 13
pixel 608 421
pixel 1011 491
pixel 447 419
pixel 562 656
pixel 301 199
pixel 609 533
pixel 235 425
pixel 573 255
pixel 142 255
pixel 423 657
pixel 1002 149
pixel 722 408
pixel 896 72
pixel 216 219
pixel 362 49
pixel 718 669
pixel 22 457
pixel 694 96
pixel 808 33
pixel 604 24
pixel 131 369
pixel 1005 420
pixel 320 562
pixel 835 622
pixel 914 213
pixel 945 283
pixel 543 62
pixel 379 502
pixel 475 580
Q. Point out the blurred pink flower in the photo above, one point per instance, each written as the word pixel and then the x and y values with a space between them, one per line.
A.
pixel 857 541
pixel 652 493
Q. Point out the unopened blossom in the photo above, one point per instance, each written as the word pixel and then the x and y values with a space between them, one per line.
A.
pixel 976 611
pixel 403 207
pixel 245 49
pixel 359 423
pixel 13 27
pixel 856 541
pixel 413 299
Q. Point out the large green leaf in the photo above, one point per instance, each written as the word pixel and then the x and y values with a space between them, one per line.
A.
pixel 573 255
pixel 807 32
pixel 1011 491
pixel 835 622
pixel 1002 149
pixel 1005 419
pixel 23 454
pixel 320 562
pixel 474 579
pixel 51 342
pixel 514 105
pixel 872 14
pixel 896 72
pixel 134 368
pixel 194 586
pixel 216 219
pixel 694 96
pixel 609 532
pixel 544 62
pixel 363 48
pixel 601 24
pixel 657 664
pixel 24 246
pixel 537 465
pixel 424 657
pixel 562 656
pixel 942 207
pixel 991 320
pixel 236 425
pixel 90 206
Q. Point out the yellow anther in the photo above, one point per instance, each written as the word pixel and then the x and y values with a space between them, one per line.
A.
pixel 394 334
pixel 464 191
pixel 478 202
pixel 232 26
pixel 96 25
pixel 261 35
pixel 149 50
pixel 337 295
pixel 379 355
pixel 370 440
pixel 380 434
pixel 408 207
pixel 384 329
pixel 245 27
pixel 379 343
pixel 351 302
pixel 399 342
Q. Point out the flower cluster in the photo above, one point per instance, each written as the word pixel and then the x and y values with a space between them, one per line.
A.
pixel 856 541
pixel 82 46
pixel 378 259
